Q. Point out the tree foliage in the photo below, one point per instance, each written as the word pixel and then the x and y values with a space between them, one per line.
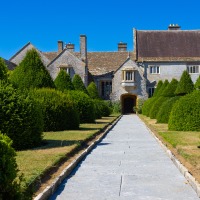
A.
pixel 169 91
pixel 63 81
pixel 31 73
pixel 160 83
pixel 3 70
pixel 92 90
pixel 197 84
pixel 185 85
pixel 78 84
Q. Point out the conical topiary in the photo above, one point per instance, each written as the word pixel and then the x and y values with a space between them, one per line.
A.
pixel 160 83
pixel 162 88
pixel 185 85
pixel 63 81
pixel 92 90
pixel 31 73
pixel 197 84
pixel 3 70
pixel 170 89
pixel 78 84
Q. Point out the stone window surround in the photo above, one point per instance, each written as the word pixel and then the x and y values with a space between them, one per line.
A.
pixel 154 69
pixel 67 68
pixel 193 69
pixel 128 75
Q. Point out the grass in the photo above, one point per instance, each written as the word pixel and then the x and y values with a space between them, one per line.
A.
pixel 34 162
pixel 184 144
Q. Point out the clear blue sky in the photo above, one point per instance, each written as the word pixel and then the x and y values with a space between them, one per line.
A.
pixel 104 22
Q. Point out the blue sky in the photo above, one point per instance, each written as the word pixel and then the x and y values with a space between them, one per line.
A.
pixel 104 22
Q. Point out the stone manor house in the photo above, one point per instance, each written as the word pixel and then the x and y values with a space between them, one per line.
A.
pixel 122 75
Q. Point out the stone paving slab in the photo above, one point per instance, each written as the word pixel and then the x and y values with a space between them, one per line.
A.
pixel 127 164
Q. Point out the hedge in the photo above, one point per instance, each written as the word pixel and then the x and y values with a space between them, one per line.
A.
pixel 197 84
pixel 3 70
pixel 101 109
pixel 20 118
pixel 59 110
pixel 92 91
pixel 159 85
pixel 78 84
pixel 169 91
pixel 147 106
pixel 185 114
pixel 165 110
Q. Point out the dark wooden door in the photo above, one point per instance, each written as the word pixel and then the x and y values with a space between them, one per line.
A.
pixel 129 103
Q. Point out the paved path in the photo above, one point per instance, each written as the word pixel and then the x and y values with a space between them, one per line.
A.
pixel 128 164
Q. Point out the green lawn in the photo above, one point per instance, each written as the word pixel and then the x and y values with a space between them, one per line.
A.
pixel 32 163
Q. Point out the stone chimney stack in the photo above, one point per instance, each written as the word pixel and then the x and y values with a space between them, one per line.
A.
pixel 83 47
pixel 174 27
pixel 60 46
pixel 70 47
pixel 122 46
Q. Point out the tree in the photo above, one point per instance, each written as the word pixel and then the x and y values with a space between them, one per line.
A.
pixel 185 85
pixel 63 81
pixel 160 83
pixel 3 70
pixel 78 84
pixel 92 90
pixel 31 73
pixel 197 84
pixel 169 91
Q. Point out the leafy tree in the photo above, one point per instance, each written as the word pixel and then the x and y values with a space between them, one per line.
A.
pixel 63 81
pixel 185 85
pixel 160 83
pixel 3 70
pixel 92 90
pixel 31 73
pixel 169 91
pixel 197 84
pixel 78 84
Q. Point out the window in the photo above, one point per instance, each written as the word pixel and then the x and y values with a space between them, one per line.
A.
pixel 128 75
pixel 106 89
pixel 155 69
pixel 67 69
pixel 193 69
pixel 151 91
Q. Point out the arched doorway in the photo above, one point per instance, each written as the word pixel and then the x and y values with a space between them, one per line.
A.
pixel 128 101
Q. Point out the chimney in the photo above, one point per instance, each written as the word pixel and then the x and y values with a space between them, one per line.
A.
pixel 122 46
pixel 70 47
pixel 83 47
pixel 173 27
pixel 60 46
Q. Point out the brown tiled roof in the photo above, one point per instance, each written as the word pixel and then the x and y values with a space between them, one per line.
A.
pixel 50 55
pixel 10 65
pixel 104 62
pixel 162 45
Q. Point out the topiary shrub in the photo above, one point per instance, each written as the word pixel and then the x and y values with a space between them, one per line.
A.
pixel 31 73
pixel 84 105
pixel 156 106
pixel 163 88
pixel 78 84
pixel 147 106
pixel 59 110
pixel 185 85
pixel 138 107
pixel 63 81
pixel 169 91
pixel 92 91
pixel 165 110
pixel 197 84
pixel 20 118
pixel 185 114
pixel 116 107
pixel 3 70
pixel 101 109
pixel 159 85
pixel 9 185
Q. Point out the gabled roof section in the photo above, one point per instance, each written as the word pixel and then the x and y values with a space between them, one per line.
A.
pixel 50 55
pixel 105 62
pixel 171 45
pixel 10 65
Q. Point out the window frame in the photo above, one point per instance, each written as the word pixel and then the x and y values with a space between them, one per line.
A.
pixel 154 69
pixel 193 69
pixel 128 75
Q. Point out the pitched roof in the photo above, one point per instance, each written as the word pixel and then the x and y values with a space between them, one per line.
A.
pixel 168 45
pixel 9 64
pixel 50 55
pixel 105 62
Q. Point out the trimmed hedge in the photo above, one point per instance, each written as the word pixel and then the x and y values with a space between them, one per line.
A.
pixel 101 109
pixel 147 106
pixel 59 110
pixel 165 110
pixel 170 89
pixel 92 91
pixel 163 88
pixel 185 114
pixel 31 73
pixel 197 84
pixel 84 105
pixel 160 83
pixel 78 84
pixel 156 106
pixel 20 118
pixel 63 81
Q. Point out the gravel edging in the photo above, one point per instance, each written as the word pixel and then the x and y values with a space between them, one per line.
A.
pixel 191 180
pixel 49 190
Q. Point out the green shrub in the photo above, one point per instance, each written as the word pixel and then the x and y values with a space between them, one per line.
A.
pixel 9 185
pixel 31 73
pixel 116 107
pixel 156 106
pixel 163 88
pixel 101 108
pixel 20 118
pixel 78 84
pixel 160 83
pixel 197 84
pixel 169 91
pixel 165 110
pixel 185 85
pixel 185 114
pixel 63 81
pixel 147 106
pixel 3 70
pixel 92 91
pixel 138 107
pixel 59 110
pixel 84 105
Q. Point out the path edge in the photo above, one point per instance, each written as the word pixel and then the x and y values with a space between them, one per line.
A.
pixel 49 190
pixel 184 171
